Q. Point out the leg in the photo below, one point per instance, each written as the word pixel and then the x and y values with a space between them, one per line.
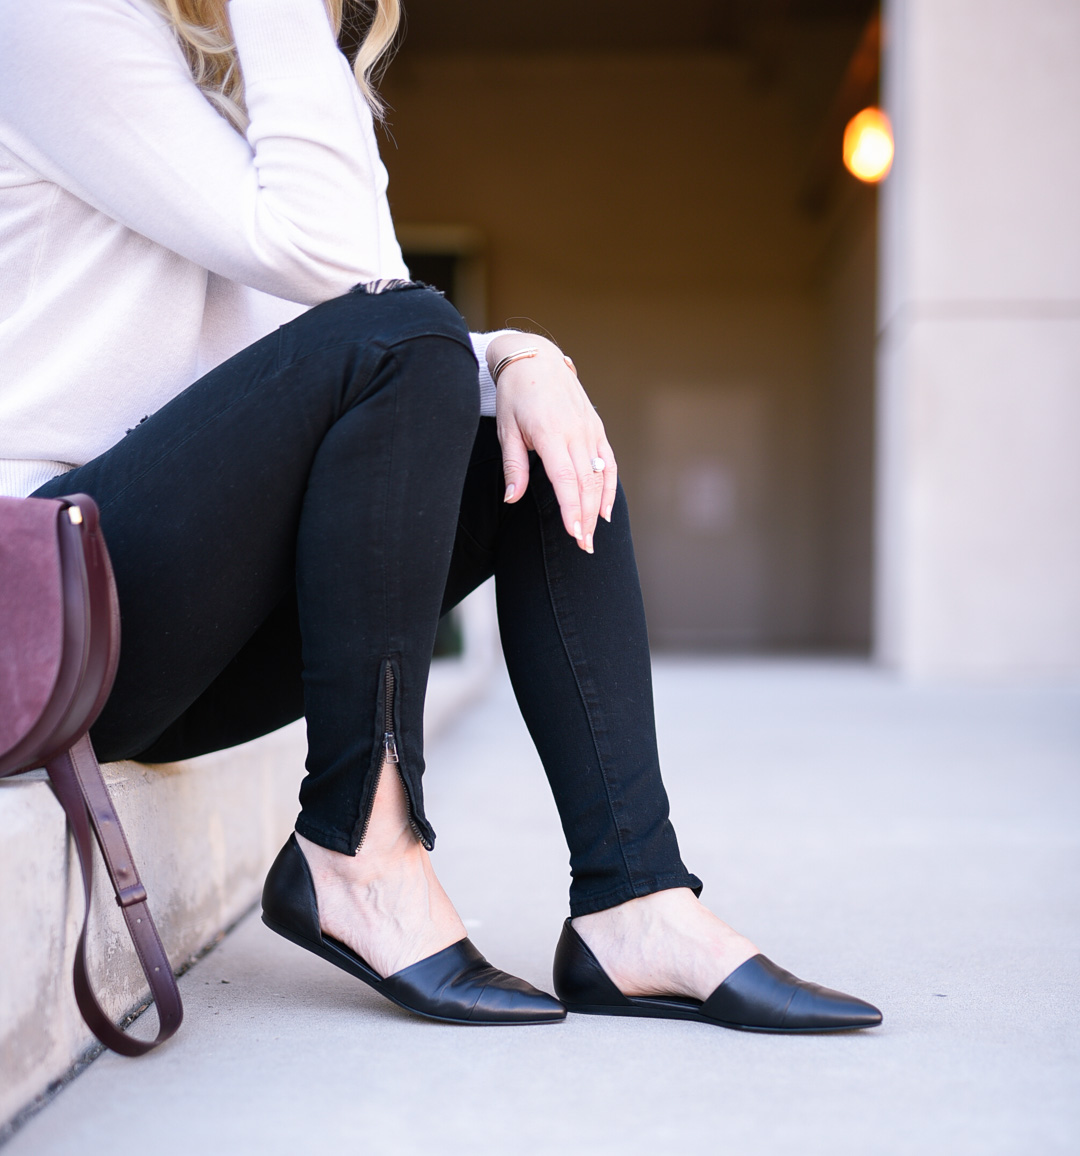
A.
pixel 573 632
pixel 319 469
pixel 304 464
pixel 386 901
pixel 260 690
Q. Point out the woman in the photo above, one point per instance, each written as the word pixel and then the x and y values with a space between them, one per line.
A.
pixel 302 460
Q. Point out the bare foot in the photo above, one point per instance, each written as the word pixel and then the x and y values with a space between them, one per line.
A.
pixel 667 943
pixel 385 902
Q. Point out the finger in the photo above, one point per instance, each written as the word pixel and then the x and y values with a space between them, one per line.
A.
pixel 590 490
pixel 611 478
pixel 515 463
pixel 563 476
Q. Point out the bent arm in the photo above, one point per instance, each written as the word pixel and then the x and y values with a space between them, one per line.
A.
pixel 96 96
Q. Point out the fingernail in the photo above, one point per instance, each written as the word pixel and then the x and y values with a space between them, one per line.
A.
pixel 577 531
pixel 588 544
pixel 607 514
pixel 509 492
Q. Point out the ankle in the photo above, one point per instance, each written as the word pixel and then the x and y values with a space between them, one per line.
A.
pixel 666 942
pixel 644 913
pixel 373 861
pixel 387 850
pixel 389 843
pixel 385 903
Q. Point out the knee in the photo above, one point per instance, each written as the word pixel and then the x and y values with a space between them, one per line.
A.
pixel 415 329
pixel 424 311
pixel 385 319
pixel 419 324
pixel 442 373
pixel 404 314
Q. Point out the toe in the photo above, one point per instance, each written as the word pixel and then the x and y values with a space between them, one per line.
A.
pixel 507 999
pixel 813 1006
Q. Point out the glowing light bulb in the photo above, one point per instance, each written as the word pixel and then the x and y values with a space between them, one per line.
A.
pixel 868 145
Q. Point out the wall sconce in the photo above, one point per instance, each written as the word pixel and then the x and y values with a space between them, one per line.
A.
pixel 868 145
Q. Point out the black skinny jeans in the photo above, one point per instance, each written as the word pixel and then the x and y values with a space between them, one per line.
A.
pixel 288 530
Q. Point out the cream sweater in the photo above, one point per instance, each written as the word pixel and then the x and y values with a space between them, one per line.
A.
pixel 142 239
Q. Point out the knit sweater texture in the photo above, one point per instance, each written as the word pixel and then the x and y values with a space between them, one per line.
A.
pixel 143 240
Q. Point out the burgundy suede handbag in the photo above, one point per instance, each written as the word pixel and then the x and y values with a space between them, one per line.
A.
pixel 59 645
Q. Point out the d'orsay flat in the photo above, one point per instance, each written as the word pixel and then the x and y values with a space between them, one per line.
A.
pixel 455 985
pixel 758 996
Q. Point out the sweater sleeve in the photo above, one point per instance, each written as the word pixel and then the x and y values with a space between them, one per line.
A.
pixel 480 342
pixel 96 96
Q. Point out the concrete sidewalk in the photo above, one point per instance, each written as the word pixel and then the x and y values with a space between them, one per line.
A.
pixel 919 847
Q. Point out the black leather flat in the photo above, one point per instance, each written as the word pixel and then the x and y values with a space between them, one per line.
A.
pixel 456 985
pixel 758 996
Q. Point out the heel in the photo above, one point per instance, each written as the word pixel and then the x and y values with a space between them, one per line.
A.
pixel 288 896
pixel 578 978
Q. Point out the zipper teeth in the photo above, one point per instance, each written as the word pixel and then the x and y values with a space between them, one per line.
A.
pixel 367 823
pixel 388 718
pixel 413 823
pixel 390 755
pixel 388 702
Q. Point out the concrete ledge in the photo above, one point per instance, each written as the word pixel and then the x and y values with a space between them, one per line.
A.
pixel 203 833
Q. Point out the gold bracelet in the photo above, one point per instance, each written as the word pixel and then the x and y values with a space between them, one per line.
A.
pixel 520 355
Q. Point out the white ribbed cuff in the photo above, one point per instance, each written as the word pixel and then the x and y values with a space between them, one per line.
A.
pixel 20 477
pixel 480 342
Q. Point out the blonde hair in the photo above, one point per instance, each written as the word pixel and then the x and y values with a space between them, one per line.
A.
pixel 202 29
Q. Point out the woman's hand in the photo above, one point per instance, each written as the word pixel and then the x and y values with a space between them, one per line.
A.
pixel 540 405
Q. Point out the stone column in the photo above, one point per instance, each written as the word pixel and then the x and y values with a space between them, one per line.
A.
pixel 978 485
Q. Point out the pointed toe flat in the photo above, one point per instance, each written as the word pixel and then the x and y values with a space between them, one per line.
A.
pixel 758 996
pixel 456 985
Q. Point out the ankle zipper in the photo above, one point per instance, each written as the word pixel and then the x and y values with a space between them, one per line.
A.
pixel 391 757
pixel 389 741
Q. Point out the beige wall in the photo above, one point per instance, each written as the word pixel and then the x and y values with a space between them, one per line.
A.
pixel 849 304
pixel 979 495
pixel 644 210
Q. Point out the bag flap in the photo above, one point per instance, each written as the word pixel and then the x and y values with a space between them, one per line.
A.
pixel 31 613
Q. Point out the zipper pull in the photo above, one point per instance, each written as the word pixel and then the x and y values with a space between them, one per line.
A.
pixel 390 748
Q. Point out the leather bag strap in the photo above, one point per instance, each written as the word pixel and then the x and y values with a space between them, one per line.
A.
pixel 78 784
